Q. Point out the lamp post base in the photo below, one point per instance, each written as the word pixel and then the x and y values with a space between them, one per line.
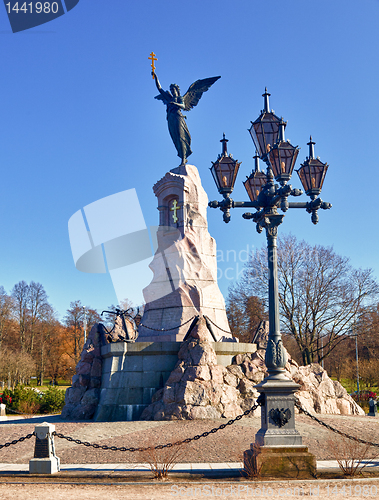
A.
pixel 278 450
pixel 278 413
pixel 280 461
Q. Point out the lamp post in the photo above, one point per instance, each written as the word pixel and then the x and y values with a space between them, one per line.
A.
pixel 85 323
pixel 267 197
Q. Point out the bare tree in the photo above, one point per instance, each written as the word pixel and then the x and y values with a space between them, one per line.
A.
pixel 31 307
pixel 320 294
pixel 38 311
pixel 6 312
pixel 20 294
pixel 16 367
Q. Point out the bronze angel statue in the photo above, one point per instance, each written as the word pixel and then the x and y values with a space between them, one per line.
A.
pixel 175 103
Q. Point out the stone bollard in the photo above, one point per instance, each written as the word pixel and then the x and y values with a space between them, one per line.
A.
pixel 3 415
pixel 45 461
pixel 373 409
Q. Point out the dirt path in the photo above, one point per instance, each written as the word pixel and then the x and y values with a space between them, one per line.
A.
pixel 336 490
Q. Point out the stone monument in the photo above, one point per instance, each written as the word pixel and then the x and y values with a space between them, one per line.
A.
pixel 184 266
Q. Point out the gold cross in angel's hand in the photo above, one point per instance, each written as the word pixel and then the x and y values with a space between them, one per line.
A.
pixel 153 59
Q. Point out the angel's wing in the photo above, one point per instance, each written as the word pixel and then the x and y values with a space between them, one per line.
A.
pixel 196 90
pixel 164 96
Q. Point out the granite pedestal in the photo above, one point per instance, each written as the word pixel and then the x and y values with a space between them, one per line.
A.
pixel 133 372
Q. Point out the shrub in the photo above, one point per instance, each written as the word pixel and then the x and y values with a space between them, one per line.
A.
pixel 28 408
pixel 52 401
pixel 352 456
pixel 5 399
pixel 25 397
pixel 363 396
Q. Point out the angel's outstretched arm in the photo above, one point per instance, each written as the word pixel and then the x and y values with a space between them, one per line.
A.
pixel 157 83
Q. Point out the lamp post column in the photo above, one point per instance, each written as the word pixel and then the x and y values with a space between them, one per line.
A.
pixel 276 358
pixel 278 412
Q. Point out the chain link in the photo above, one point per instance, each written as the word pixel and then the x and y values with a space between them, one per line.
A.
pixel 165 329
pixel 333 429
pixel 159 446
pixel 175 327
pixel 15 441
pixel 221 329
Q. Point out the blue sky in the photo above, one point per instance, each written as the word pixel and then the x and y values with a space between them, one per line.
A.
pixel 78 121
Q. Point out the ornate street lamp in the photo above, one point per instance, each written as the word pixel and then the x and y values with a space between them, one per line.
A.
pixel 266 197
pixel 224 171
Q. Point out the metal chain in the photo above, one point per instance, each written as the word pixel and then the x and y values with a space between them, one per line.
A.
pixel 214 324
pixel 159 446
pixel 358 440
pixel 15 441
pixel 165 329
pixel 168 329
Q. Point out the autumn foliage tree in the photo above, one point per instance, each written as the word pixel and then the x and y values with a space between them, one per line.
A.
pixel 33 342
pixel 244 312
pixel 74 321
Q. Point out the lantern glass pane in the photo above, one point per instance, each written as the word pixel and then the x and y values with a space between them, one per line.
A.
pixel 283 159
pixel 312 174
pixel 303 178
pixel 224 172
pixel 254 183
pixel 264 132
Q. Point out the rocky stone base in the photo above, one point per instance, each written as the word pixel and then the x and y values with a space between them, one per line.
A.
pixel 320 394
pixel 199 388
pixel 83 396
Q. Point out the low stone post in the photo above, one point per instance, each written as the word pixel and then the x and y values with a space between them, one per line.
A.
pixel 373 409
pixel 3 415
pixel 45 461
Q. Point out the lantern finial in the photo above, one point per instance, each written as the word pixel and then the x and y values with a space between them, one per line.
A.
pixel 224 146
pixel 311 148
pixel 266 95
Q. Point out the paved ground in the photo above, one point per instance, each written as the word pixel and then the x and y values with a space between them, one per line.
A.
pixel 227 469
pixel 222 490
pixel 226 445
pixel 216 457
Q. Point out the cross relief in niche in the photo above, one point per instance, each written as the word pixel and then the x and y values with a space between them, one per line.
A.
pixel 174 208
